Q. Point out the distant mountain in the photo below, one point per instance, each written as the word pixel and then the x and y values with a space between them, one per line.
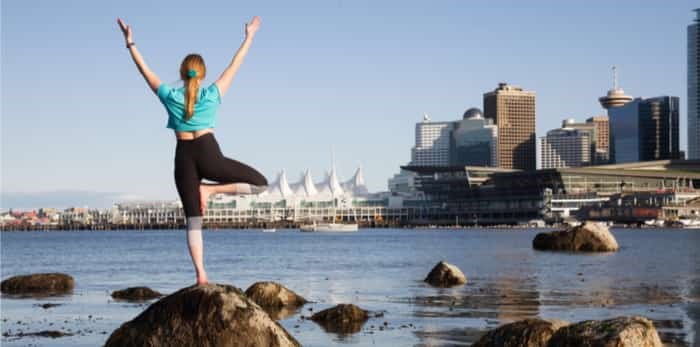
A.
pixel 62 199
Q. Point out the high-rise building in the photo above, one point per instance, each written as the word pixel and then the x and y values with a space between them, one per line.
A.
pixel 566 147
pixel 475 141
pixel 694 88
pixel 599 136
pixel 433 143
pixel 512 110
pixel 602 138
pixel 645 129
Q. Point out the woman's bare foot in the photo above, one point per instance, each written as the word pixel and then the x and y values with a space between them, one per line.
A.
pixel 204 192
pixel 202 279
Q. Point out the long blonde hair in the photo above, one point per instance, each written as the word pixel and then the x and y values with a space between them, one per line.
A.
pixel 192 62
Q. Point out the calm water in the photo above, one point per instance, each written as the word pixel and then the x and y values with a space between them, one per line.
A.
pixel 655 274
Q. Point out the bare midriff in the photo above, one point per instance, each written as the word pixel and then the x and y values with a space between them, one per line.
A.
pixel 191 135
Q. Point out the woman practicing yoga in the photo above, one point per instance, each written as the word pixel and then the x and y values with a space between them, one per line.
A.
pixel 192 115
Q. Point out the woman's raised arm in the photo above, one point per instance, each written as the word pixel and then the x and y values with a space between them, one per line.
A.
pixel 226 77
pixel 150 77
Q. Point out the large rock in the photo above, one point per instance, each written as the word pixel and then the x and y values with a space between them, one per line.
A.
pixel 271 294
pixel 445 275
pixel 616 332
pixel 525 333
pixel 588 237
pixel 343 319
pixel 205 315
pixel 136 294
pixel 38 284
pixel 275 299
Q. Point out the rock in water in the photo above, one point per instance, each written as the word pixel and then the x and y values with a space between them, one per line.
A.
pixel 206 315
pixel 588 237
pixel 445 275
pixel 38 284
pixel 136 294
pixel 618 332
pixel 275 299
pixel 343 319
pixel 525 333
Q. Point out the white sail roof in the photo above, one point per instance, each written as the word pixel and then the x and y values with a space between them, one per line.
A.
pixel 305 187
pixel 280 187
pixel 331 185
pixel 356 185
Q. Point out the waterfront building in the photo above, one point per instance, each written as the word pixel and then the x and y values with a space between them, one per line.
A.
pixel 514 196
pixel 475 140
pixel 402 183
pixel 304 201
pixel 146 213
pixel 433 144
pixel 449 195
pixel 76 215
pixel 512 110
pixel 566 147
pixel 694 88
pixel 645 129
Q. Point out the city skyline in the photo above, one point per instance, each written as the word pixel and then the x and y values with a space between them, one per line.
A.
pixel 693 95
pixel 365 104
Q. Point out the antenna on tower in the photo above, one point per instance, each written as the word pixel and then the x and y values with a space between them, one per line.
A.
pixel 614 71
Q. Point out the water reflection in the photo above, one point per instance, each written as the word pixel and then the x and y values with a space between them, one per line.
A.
pixel 503 300
pixel 568 296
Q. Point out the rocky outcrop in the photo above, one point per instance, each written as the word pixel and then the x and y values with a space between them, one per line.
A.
pixel 588 237
pixel 619 332
pixel 136 294
pixel 38 284
pixel 445 275
pixel 205 315
pixel 525 333
pixel 275 299
pixel 616 332
pixel 342 319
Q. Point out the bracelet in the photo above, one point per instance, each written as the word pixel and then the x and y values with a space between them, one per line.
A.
pixel 129 44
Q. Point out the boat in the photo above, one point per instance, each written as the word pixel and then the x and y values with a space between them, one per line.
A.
pixel 654 222
pixel 328 227
pixel 269 230
pixel 536 223
pixel 690 223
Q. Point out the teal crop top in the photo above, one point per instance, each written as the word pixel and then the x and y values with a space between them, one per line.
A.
pixel 204 109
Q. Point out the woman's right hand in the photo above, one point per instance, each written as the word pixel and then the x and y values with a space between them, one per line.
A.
pixel 126 30
pixel 252 27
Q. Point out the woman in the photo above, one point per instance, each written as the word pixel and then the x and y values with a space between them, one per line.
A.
pixel 192 115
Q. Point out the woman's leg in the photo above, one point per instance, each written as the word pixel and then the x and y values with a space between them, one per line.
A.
pixel 187 182
pixel 196 247
pixel 214 166
pixel 207 189
pixel 232 176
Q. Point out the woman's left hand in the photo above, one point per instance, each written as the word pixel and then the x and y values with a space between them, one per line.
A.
pixel 126 30
pixel 252 27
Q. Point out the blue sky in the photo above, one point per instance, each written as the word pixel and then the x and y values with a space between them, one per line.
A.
pixel 78 122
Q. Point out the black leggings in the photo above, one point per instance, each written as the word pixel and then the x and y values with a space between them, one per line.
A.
pixel 201 158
